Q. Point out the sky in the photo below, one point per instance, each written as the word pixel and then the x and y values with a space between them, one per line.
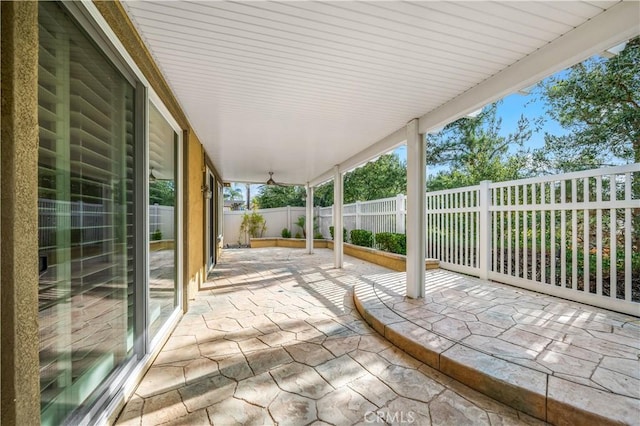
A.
pixel 510 109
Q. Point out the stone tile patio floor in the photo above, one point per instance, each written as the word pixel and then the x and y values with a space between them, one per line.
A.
pixel 274 338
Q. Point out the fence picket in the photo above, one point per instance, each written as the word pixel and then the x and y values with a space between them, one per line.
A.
pixel 613 227
pixel 508 232
pixel 627 239
pixel 599 237
pixel 574 236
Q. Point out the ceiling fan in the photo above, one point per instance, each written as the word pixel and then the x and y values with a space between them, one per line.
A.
pixel 272 182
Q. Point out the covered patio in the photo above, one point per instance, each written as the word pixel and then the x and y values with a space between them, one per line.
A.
pixel 274 337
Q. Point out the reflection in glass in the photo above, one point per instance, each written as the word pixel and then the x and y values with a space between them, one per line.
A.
pixel 162 223
pixel 85 206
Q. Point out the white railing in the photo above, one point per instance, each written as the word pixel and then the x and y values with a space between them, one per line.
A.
pixel 453 221
pixel 161 218
pixel 275 220
pixel 384 215
pixel 569 235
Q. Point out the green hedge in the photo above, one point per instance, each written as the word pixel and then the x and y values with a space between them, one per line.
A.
pixel 362 237
pixel 394 243
pixel 344 234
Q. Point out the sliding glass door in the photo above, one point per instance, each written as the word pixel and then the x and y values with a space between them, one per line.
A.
pixel 163 225
pixel 86 204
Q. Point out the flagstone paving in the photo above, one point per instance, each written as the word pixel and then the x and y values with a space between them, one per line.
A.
pixel 559 361
pixel 274 338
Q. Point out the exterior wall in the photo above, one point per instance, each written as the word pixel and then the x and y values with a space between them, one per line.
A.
pixel 19 337
pixel 194 207
pixel 286 242
pixel 20 392
pixel 115 15
pixel 275 220
pixel 195 214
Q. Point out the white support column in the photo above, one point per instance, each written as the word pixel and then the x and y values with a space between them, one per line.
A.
pixel 309 220
pixel 337 218
pixel 416 210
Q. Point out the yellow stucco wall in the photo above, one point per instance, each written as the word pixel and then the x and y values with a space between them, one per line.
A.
pixel 19 365
pixel 194 262
pixel 194 214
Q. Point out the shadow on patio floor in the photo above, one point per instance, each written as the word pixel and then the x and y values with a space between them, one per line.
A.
pixel 274 338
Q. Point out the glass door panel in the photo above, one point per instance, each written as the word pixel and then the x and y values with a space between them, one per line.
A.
pixel 85 205
pixel 162 221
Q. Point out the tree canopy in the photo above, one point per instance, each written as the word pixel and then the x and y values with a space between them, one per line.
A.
pixel 233 193
pixel 473 150
pixel 382 178
pixel 280 196
pixel 598 103
pixel 162 192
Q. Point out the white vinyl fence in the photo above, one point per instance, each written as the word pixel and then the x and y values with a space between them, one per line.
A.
pixel 275 220
pixel 384 215
pixel 162 218
pixel 569 235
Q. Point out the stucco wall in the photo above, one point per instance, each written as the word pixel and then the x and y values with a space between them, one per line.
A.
pixel 194 208
pixel 194 213
pixel 20 391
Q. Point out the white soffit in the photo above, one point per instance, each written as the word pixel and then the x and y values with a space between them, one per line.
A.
pixel 297 87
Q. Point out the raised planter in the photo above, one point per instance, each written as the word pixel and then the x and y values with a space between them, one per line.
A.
pixel 158 245
pixel 285 242
pixel 397 262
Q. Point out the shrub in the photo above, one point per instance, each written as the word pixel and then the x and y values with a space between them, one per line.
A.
pixel 253 226
pixel 318 236
pixel 298 235
pixel 344 234
pixel 156 235
pixel 391 242
pixel 286 233
pixel 301 223
pixel 362 237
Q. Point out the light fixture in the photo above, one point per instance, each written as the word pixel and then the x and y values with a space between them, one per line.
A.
pixel 206 191
pixel 613 51
pixel 525 91
pixel 473 114
pixel 271 181
pixel 152 177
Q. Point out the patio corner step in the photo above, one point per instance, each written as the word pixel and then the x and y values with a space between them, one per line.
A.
pixel 546 397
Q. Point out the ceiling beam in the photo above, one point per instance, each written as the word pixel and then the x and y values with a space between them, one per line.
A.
pixel 613 26
pixel 384 145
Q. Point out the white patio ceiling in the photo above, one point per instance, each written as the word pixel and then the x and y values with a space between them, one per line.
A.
pixel 298 87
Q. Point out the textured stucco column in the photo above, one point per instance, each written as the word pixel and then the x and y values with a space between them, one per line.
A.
pixel 416 210
pixel 338 248
pixel 309 220
pixel 19 365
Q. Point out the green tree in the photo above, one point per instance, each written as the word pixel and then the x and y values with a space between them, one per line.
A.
pixel 598 103
pixel 232 193
pixel 382 178
pixel 473 150
pixel 162 192
pixel 280 196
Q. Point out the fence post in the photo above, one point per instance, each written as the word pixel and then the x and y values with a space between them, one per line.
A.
pixel 400 213
pixel 357 214
pixel 289 224
pixel 484 237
